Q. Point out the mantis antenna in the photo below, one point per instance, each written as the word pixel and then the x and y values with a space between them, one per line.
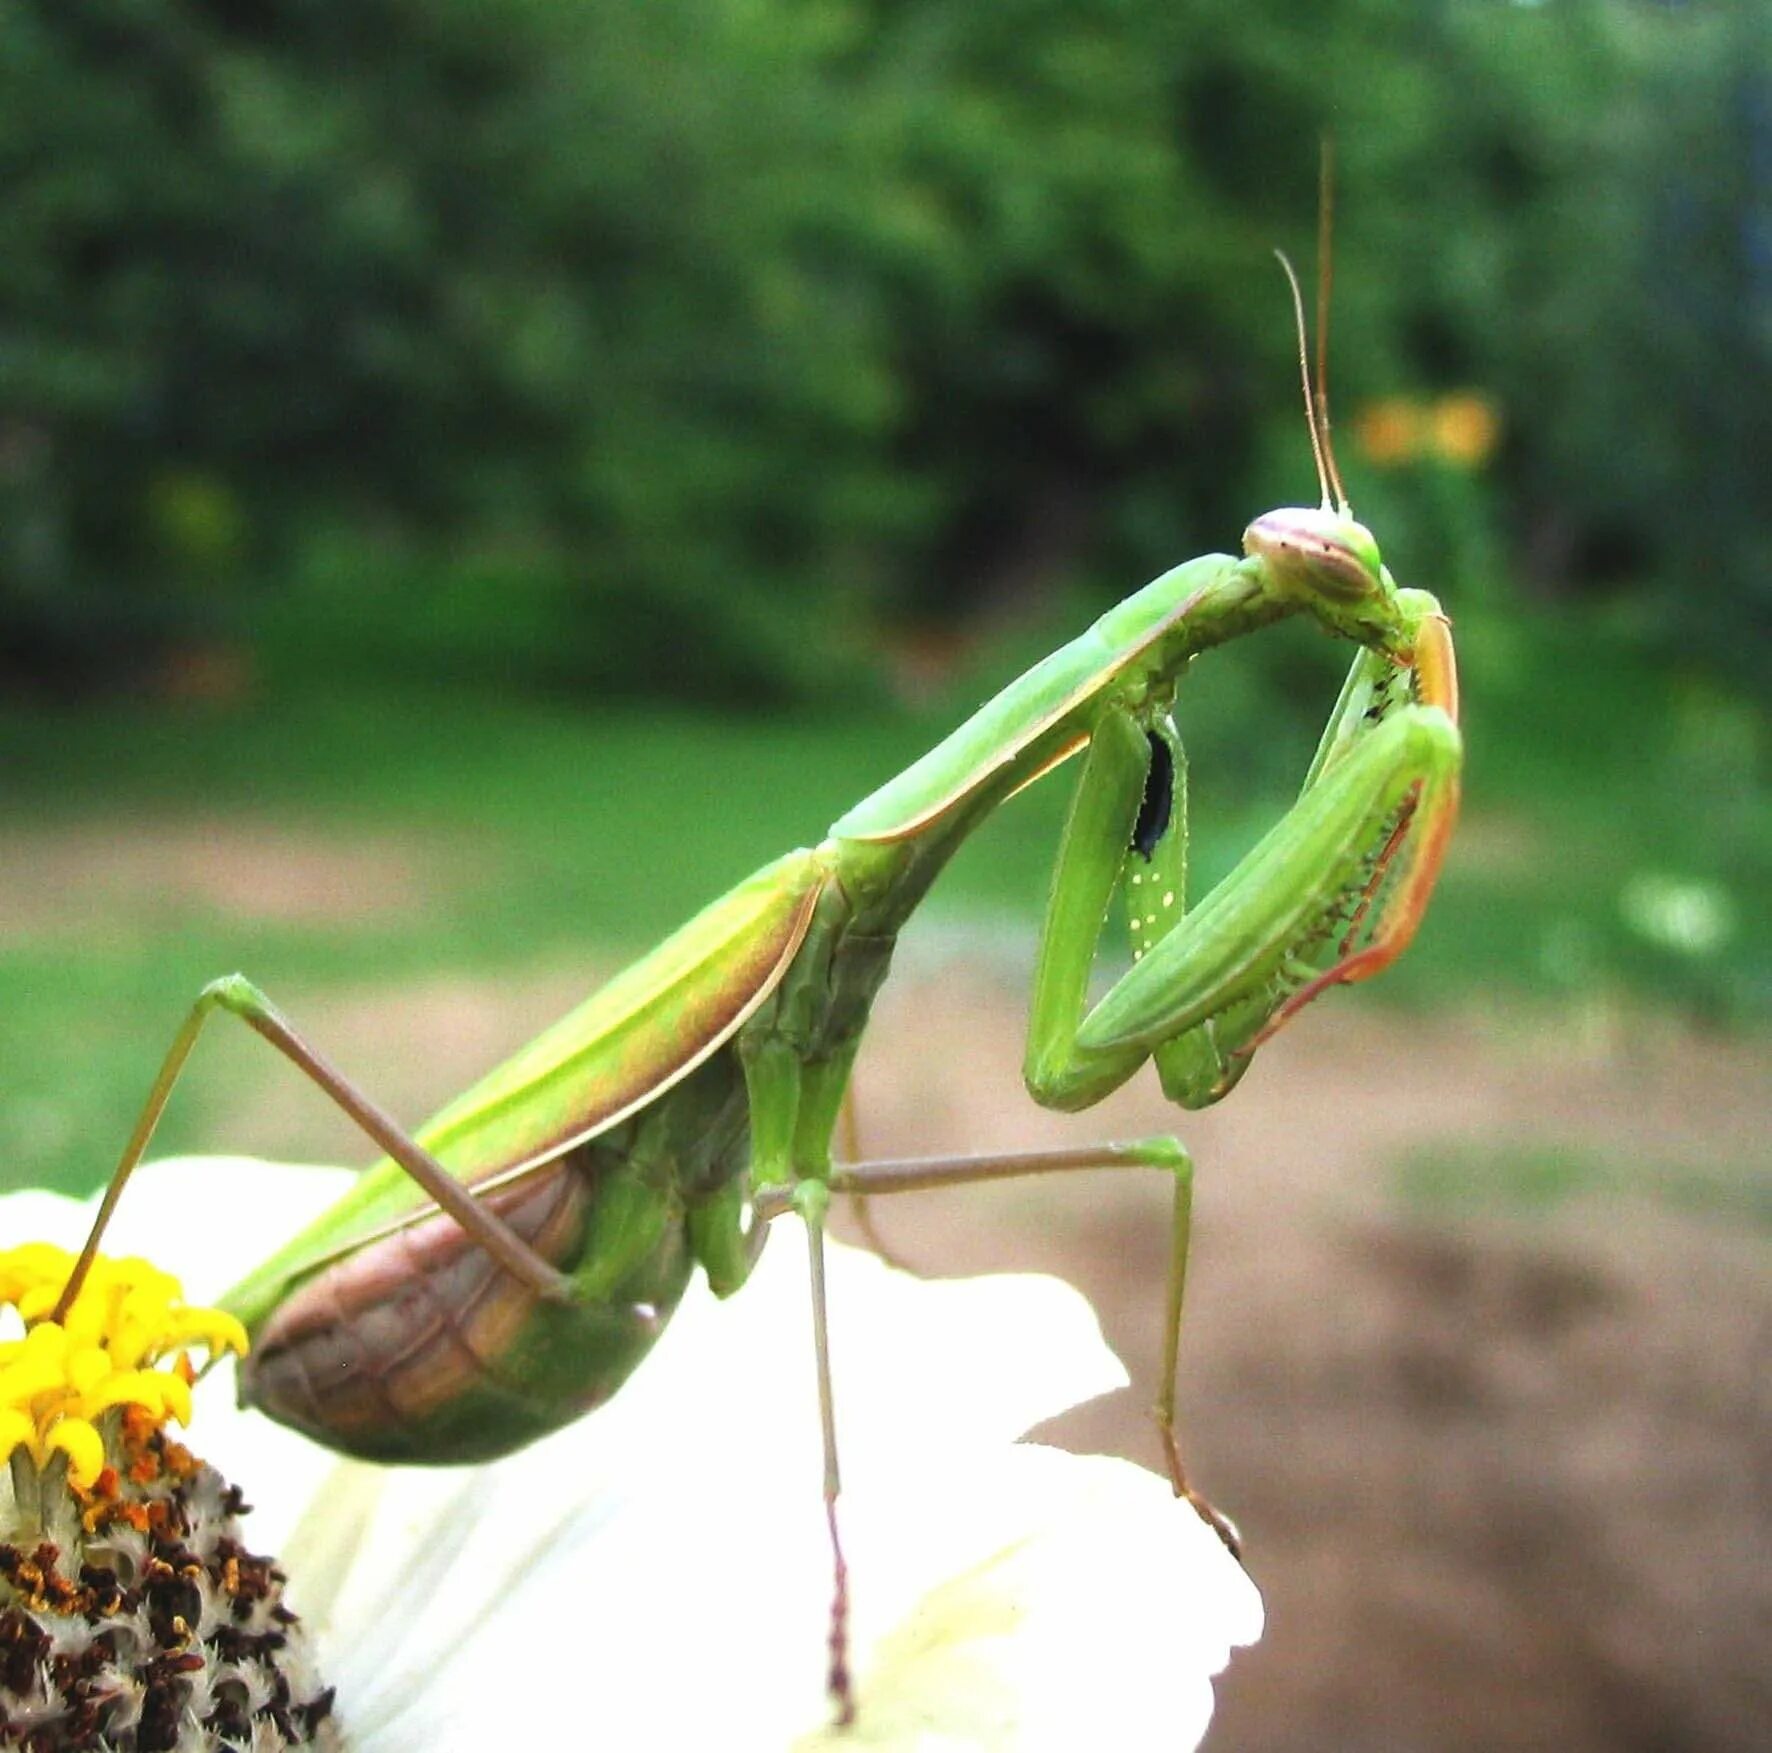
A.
pixel 1325 280
pixel 1304 372
pixel 1316 399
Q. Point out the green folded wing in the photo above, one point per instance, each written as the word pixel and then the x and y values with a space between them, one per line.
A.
pixel 624 1046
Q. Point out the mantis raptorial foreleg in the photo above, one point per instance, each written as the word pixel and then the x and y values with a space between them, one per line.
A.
pixel 1093 852
pixel 1348 867
pixel 1411 858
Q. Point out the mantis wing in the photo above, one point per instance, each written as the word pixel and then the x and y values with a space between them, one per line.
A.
pixel 646 1030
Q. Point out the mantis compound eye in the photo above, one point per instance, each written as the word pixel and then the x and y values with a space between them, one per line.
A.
pixel 1317 551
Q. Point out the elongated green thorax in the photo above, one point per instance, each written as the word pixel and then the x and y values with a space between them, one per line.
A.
pixel 1139 646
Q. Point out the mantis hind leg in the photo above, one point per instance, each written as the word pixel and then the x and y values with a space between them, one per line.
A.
pixel 239 997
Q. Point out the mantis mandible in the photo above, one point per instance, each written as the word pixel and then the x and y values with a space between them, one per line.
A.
pixel 558 1208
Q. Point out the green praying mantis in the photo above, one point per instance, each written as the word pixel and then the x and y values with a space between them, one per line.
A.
pixel 501 1271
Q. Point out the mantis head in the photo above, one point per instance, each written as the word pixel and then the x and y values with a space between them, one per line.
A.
pixel 1319 553
pixel 1323 555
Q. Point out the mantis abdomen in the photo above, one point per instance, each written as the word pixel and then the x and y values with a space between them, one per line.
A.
pixel 420 1348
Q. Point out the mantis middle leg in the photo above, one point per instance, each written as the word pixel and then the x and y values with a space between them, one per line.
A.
pixel 925 1174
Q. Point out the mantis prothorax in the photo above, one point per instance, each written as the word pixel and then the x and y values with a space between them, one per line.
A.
pixel 557 1209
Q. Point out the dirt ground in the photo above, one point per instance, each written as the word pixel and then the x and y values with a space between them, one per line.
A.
pixel 1504 1476
pixel 1503 1480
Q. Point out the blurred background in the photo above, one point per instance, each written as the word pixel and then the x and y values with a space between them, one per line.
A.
pixel 478 478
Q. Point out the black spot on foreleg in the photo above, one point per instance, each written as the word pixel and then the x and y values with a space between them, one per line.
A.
pixel 1158 802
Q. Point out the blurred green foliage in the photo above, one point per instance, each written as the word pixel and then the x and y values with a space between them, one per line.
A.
pixel 391 382
pixel 1541 1177
pixel 683 345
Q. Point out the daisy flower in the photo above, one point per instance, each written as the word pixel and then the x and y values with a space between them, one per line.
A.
pixel 654 1577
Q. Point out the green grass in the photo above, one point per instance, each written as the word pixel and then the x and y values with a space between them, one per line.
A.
pixel 546 837
pixel 1542 1177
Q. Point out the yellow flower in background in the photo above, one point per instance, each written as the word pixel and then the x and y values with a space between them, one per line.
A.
pixel 1462 429
pixel 1388 432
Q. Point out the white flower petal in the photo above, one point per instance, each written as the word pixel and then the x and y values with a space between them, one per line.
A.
pixel 36 1216
pixel 658 1575
pixel 1063 1602
pixel 211 1219
pixel 728 1397
pixel 1028 1601
pixel 206 1219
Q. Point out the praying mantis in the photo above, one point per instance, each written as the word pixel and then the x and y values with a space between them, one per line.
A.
pixel 502 1270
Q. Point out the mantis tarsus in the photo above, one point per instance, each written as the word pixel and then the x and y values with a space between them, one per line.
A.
pixel 501 1271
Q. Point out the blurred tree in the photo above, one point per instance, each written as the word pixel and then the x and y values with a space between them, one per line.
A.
pixel 656 344
pixel 507 283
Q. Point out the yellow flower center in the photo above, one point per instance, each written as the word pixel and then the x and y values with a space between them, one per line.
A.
pixel 126 1342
